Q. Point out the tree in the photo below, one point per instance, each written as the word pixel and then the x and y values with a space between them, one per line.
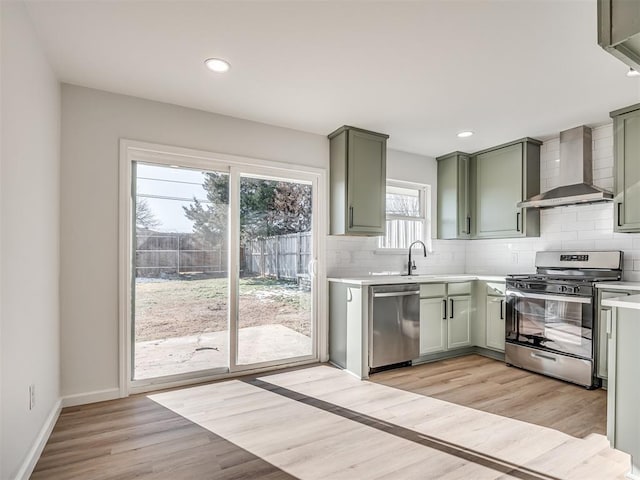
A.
pixel 267 208
pixel 291 208
pixel 145 218
pixel 211 219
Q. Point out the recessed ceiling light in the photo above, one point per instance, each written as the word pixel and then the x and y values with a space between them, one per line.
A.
pixel 217 65
pixel 465 134
pixel 633 73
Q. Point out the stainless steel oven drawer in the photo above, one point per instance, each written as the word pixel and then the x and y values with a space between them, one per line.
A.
pixel 571 369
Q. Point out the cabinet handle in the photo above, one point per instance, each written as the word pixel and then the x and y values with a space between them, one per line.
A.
pixel 501 307
pixel 444 309
pixel 605 312
pixel 350 217
pixel 468 225
pixel 451 312
pixel 619 209
pixel 518 222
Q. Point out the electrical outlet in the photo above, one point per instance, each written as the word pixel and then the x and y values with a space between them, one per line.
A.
pixel 32 396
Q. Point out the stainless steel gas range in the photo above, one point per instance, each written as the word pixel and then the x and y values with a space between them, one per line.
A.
pixel 550 315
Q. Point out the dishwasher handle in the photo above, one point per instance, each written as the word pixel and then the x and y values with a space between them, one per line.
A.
pixel 396 294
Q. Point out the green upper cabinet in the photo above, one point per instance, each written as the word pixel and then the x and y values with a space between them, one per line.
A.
pixel 626 139
pixel 502 177
pixel 454 216
pixel 358 171
pixel 619 30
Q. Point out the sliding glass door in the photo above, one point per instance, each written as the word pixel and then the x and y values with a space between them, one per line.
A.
pixel 275 316
pixel 181 271
pixel 222 269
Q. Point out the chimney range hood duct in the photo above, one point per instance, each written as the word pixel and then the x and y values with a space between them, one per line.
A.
pixel 576 174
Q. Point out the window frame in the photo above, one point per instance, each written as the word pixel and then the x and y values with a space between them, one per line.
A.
pixel 424 192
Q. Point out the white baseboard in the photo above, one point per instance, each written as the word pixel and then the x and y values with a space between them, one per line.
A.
pixel 26 469
pixel 90 397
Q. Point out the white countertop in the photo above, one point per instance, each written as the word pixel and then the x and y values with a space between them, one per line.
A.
pixel 619 285
pixel 631 301
pixel 398 279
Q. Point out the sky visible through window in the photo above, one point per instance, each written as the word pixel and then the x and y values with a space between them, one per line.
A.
pixel 403 201
pixel 166 190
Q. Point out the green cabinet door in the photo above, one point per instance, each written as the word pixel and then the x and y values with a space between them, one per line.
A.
pixel 459 322
pixel 495 323
pixel 357 182
pixel 498 190
pixel 453 215
pixel 627 170
pixel 432 325
pixel 501 178
pixel 366 191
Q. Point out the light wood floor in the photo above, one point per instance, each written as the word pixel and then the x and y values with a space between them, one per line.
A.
pixel 488 385
pixel 321 423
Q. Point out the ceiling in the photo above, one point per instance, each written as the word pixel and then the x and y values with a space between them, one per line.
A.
pixel 419 71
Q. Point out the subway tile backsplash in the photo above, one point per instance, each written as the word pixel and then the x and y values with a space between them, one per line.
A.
pixel 576 227
pixel 355 256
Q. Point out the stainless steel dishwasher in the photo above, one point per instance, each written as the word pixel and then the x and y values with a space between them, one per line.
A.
pixel 394 324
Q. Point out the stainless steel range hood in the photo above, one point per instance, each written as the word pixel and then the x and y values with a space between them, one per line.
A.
pixel 576 174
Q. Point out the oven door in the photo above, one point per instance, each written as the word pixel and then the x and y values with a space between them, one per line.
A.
pixel 557 323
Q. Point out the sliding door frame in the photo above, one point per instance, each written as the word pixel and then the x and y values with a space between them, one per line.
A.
pixel 134 151
pixel 268 173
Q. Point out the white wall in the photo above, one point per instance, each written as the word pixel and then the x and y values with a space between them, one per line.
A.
pixel 587 227
pixel 92 124
pixel 29 213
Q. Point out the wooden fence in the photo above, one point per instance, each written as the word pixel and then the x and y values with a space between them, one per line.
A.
pixel 166 254
pixel 282 256
pixel 160 254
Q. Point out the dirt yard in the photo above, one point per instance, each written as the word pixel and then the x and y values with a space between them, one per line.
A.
pixel 177 308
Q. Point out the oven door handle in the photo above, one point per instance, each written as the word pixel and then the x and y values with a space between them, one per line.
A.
pixel 556 298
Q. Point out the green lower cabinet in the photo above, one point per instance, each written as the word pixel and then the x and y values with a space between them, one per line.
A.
pixel 459 322
pixel 626 139
pixel 432 326
pixel 495 323
pixel 623 387
pixel 445 317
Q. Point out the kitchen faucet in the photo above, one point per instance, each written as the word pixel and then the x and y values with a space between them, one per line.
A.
pixel 411 265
